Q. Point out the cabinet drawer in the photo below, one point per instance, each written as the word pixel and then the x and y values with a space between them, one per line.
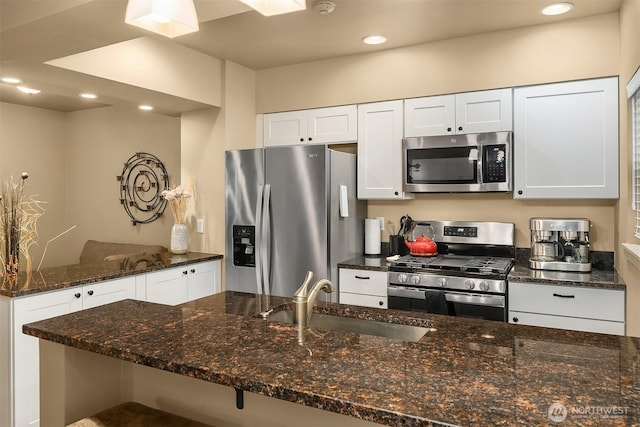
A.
pixel 568 301
pixel 363 300
pixel 563 322
pixel 363 282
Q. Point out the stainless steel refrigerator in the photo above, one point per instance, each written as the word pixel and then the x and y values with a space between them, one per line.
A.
pixel 284 217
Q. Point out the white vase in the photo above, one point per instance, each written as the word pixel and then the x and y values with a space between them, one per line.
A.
pixel 179 239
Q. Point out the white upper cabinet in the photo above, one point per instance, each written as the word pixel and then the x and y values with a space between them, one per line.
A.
pixel 470 112
pixel 329 125
pixel 380 151
pixel 566 140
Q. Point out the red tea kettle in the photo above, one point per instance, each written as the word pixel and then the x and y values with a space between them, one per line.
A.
pixel 422 246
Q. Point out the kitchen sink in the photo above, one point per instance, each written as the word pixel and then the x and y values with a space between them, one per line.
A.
pixel 360 326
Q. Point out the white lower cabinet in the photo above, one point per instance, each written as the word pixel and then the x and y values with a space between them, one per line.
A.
pixel 567 307
pixel 25 384
pixel 363 287
pixel 19 353
pixel 173 286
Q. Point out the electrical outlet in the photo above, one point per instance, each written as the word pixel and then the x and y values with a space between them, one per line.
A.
pixel 381 219
pixel 200 226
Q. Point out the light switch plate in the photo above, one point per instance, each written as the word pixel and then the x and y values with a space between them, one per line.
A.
pixel 200 226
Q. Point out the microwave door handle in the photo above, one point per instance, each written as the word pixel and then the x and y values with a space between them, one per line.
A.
pixel 480 163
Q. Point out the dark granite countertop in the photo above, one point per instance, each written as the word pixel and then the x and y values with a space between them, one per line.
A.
pixel 67 276
pixel 367 262
pixel 463 372
pixel 605 279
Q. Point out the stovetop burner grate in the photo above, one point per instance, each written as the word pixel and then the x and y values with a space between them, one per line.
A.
pixel 470 264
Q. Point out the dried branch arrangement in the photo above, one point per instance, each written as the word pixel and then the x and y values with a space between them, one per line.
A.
pixel 177 198
pixel 18 231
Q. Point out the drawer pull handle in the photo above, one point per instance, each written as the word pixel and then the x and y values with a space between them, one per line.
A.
pixel 90 292
pixel 363 277
pixel 564 296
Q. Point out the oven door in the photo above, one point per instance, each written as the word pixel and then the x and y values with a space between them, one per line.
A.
pixel 479 306
pixel 417 299
pixel 442 301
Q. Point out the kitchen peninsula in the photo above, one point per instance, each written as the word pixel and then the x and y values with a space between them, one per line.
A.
pixel 162 278
pixel 462 372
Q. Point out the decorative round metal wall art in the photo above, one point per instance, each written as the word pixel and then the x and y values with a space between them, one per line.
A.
pixel 142 181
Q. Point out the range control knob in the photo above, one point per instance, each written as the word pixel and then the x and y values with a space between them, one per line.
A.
pixel 402 278
pixel 415 279
pixel 484 286
pixel 442 282
pixel 469 284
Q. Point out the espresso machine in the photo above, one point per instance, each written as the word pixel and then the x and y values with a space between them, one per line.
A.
pixel 560 244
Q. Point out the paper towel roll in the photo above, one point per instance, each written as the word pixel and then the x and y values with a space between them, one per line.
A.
pixel 372 236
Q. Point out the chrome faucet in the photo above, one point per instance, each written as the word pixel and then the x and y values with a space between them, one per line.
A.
pixel 304 299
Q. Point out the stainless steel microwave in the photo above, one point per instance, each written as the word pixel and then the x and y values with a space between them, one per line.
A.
pixel 479 162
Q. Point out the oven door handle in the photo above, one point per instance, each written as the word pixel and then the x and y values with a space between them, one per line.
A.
pixel 476 299
pixel 415 293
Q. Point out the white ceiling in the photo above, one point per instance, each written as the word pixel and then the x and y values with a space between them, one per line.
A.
pixel 35 31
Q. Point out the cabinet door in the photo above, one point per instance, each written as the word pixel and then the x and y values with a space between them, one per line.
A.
pixel 376 301
pixel 574 301
pixel 168 286
pixel 484 111
pixel 288 128
pixel 26 360
pixel 433 115
pixel 332 125
pixel 566 140
pixel 363 282
pixel 380 151
pixel 203 279
pixel 102 293
pixel 565 322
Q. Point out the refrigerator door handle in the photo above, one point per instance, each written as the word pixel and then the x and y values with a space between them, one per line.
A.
pixel 266 239
pixel 258 243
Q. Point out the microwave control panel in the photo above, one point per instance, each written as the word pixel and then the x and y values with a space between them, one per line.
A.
pixel 494 167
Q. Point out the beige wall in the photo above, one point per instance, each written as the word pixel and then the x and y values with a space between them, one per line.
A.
pixel 33 140
pixel 73 160
pixel 99 141
pixel 629 63
pixel 205 137
pixel 570 50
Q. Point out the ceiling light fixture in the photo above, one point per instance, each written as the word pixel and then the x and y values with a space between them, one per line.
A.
pixel 170 18
pixel 276 7
pixel 556 9
pixel 146 107
pixel 28 90
pixel 374 39
pixel 11 80
pixel 88 95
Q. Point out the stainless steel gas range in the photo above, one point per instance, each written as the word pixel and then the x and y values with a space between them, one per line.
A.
pixel 468 276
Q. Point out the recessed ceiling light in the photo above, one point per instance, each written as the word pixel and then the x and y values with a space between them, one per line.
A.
pixel 146 107
pixel 11 80
pixel 374 39
pixel 28 90
pixel 556 9
pixel 88 95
